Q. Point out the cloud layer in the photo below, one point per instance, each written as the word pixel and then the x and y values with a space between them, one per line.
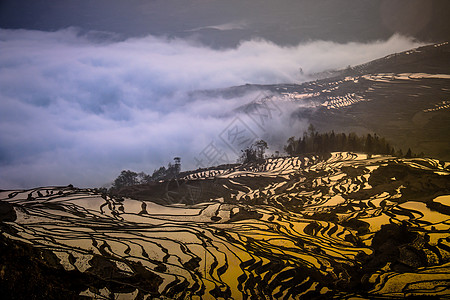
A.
pixel 78 110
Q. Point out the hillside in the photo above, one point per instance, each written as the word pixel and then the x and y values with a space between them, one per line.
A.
pixel 314 227
pixel 404 97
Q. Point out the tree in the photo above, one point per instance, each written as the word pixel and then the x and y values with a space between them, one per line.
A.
pixel 254 153
pixel 408 154
pixel 369 144
pixel 260 148
pixel 311 130
pixel 352 142
pixel 290 148
pixel 314 142
pixel 248 155
pixel 143 178
pixel 129 178
pixel 177 164
pixel 126 178
pixel 301 146
pixel 170 172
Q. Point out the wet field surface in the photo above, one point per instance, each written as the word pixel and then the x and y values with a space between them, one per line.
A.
pixel 292 228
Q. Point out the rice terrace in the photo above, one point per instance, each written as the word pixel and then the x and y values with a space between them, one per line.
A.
pixel 291 227
pixel 307 141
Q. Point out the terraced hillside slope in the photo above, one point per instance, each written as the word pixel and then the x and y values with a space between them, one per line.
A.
pixel 404 97
pixel 309 227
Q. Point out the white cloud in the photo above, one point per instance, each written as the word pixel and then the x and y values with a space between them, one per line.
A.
pixel 222 27
pixel 76 110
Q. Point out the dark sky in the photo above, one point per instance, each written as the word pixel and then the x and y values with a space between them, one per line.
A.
pixel 281 21
pixel 90 88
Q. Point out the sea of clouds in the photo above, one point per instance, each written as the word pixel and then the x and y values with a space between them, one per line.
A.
pixel 78 109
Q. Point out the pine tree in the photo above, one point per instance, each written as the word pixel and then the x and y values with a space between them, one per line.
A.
pixel 408 154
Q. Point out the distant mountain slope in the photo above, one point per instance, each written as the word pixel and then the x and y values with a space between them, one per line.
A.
pixel 404 97
pixel 427 59
pixel 308 227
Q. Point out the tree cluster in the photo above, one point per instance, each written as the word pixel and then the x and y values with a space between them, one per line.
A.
pixel 254 153
pixel 315 142
pixel 129 178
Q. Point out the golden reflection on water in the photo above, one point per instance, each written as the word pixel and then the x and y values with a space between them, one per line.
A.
pixel 317 220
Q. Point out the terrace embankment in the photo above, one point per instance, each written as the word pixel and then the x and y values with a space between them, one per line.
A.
pixel 295 227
